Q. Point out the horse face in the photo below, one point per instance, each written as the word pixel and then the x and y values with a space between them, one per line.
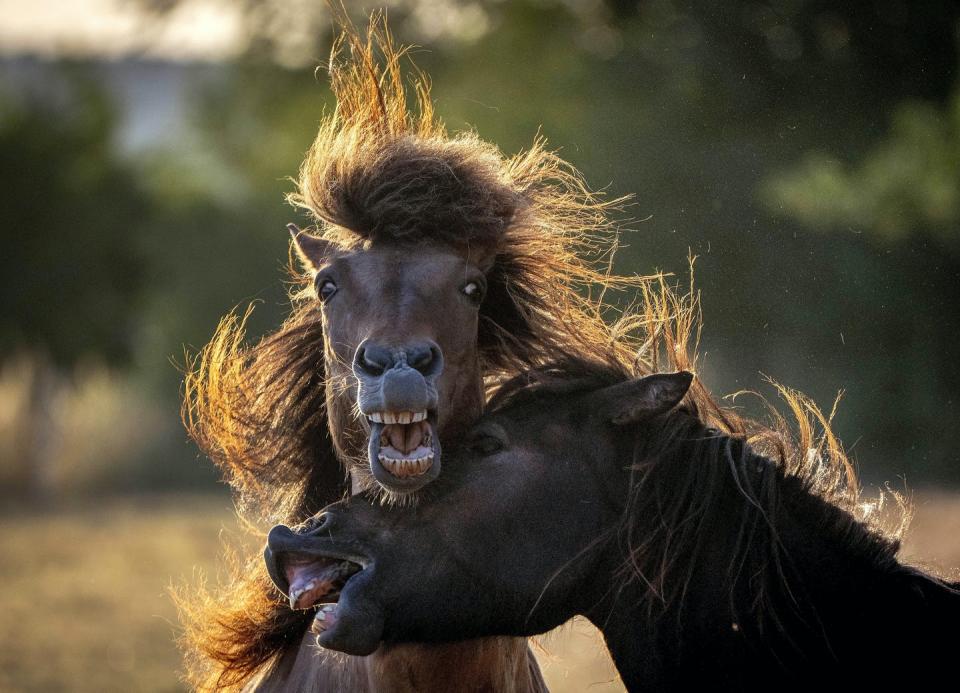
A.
pixel 400 326
pixel 514 542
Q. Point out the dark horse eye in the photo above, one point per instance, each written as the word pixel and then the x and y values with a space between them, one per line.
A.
pixel 473 291
pixel 326 289
pixel 487 445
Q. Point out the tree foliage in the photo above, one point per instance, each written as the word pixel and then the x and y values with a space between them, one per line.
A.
pixel 71 270
pixel 905 185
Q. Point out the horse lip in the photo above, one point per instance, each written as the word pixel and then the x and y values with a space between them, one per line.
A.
pixel 283 540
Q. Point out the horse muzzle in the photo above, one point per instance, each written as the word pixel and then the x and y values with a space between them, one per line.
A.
pixel 398 395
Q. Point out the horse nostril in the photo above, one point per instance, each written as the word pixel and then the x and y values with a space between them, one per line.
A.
pixel 370 367
pixel 420 358
pixel 317 523
pixel 424 358
pixel 372 360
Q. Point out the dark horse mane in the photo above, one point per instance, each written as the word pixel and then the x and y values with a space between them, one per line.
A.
pixel 682 461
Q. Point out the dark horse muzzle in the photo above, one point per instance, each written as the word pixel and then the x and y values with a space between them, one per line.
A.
pixel 323 565
pixel 398 395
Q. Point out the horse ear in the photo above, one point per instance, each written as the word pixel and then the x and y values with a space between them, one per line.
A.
pixel 313 251
pixel 639 399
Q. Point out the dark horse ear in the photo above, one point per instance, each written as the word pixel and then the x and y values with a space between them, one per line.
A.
pixel 639 399
pixel 313 251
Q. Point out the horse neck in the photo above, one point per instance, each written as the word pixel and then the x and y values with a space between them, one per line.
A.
pixel 890 634
pixel 487 664
pixel 777 577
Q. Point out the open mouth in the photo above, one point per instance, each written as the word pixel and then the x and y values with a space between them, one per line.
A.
pixel 315 581
pixel 403 446
pixel 312 579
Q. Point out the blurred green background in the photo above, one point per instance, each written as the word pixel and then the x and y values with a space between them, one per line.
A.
pixel 808 152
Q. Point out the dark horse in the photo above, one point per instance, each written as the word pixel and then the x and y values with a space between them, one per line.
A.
pixel 704 563
pixel 436 263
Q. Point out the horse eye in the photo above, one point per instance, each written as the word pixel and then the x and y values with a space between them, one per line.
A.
pixel 326 289
pixel 487 445
pixel 473 291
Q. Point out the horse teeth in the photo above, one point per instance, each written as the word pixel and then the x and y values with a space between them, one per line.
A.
pixel 403 417
pixel 406 467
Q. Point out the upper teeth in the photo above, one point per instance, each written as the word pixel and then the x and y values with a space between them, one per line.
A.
pixel 295 594
pixel 399 417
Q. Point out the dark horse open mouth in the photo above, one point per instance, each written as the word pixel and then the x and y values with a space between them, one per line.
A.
pixel 404 446
pixel 309 577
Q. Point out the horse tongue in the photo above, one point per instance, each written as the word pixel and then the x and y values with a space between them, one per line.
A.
pixel 405 437
pixel 310 582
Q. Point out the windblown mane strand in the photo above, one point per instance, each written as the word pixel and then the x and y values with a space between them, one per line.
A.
pixel 707 443
pixel 683 462
pixel 259 413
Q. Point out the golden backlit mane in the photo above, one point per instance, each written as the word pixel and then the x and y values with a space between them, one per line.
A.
pixel 377 170
pixel 682 464
pixel 383 170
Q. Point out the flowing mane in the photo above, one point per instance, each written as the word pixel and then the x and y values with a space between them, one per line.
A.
pixel 679 466
pixel 377 170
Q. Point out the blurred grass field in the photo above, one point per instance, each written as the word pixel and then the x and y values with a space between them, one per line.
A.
pixel 85 604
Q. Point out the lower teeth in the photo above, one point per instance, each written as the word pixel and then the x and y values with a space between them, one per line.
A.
pixel 405 467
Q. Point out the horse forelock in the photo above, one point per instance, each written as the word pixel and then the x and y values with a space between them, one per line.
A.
pixel 384 168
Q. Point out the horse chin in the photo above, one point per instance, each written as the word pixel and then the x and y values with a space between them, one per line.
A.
pixel 403 457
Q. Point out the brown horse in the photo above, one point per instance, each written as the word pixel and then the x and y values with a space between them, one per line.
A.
pixel 705 564
pixel 436 264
